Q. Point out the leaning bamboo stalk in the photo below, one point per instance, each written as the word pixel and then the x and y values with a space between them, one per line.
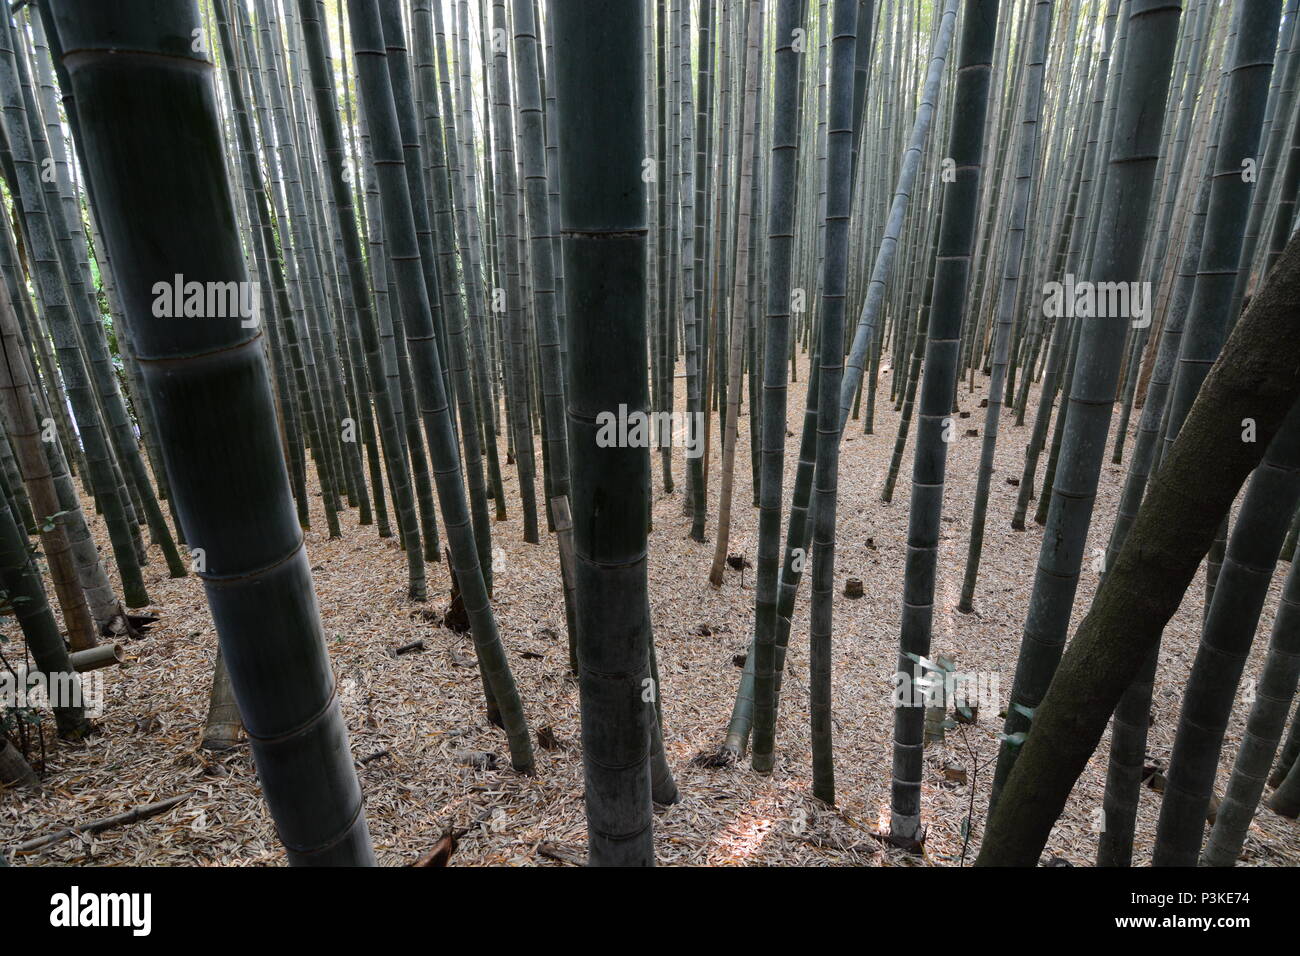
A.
pixel 224 460
pixel 1257 375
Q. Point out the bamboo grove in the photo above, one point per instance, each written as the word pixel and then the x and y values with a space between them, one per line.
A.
pixel 412 268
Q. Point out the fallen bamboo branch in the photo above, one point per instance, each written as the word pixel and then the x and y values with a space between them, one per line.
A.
pixel 105 823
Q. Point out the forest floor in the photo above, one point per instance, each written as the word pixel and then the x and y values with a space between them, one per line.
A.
pixel 416 719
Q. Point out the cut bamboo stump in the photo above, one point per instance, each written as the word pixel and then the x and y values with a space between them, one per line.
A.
pixel 14 769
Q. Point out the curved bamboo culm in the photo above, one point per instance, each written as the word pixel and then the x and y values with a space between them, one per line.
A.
pixel 1257 375
pixel 1132 718
pixel 938 386
pixel 1200 299
pixel 603 226
pixel 1211 689
pixel 399 224
pixel 1152 35
pixel 151 142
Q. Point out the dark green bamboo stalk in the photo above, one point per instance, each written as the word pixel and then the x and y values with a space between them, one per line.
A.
pixel 24 592
pixel 140 93
pixel 1124 771
pixel 1009 288
pixel 603 224
pixel 295 234
pixel 1226 639
pixel 1287 758
pixel 839 164
pixel 1273 695
pixel 540 247
pixel 474 271
pixel 517 352
pixel 399 224
pixel 694 315
pixel 738 302
pixel 761 663
pixel 99 362
pixel 865 334
pixel 960 201
pixel 345 221
pixel 1152 34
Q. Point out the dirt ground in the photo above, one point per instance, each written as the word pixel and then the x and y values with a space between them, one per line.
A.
pixel 415 718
